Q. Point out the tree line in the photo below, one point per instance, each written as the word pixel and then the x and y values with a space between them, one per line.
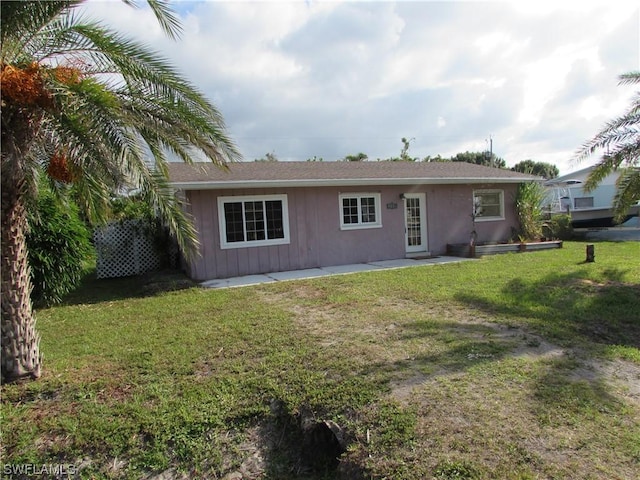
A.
pixel 542 169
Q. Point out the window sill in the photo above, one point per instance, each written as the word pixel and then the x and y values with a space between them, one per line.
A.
pixel 261 243
pixel 360 227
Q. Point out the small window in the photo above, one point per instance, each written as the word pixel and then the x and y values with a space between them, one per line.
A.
pixel 488 205
pixel 253 221
pixel 583 202
pixel 359 210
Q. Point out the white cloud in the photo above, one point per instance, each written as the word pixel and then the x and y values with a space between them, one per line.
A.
pixel 328 79
pixel 501 44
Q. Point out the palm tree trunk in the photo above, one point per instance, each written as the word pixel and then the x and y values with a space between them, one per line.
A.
pixel 20 342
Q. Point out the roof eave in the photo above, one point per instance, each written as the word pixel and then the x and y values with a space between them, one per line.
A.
pixel 339 182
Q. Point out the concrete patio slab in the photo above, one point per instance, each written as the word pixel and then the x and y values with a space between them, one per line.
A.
pixel 354 268
pixel 444 259
pixel 298 274
pixel 399 263
pixel 237 281
pixel 326 271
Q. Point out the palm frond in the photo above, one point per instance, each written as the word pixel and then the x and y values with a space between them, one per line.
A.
pixel 167 19
pixel 606 140
pixel 621 139
pixel 158 89
pixel 157 192
pixel 629 78
pixel 627 193
pixel 126 116
pixel 601 170
pixel 20 21
pixel 621 131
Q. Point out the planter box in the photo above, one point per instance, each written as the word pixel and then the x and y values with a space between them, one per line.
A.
pixel 464 250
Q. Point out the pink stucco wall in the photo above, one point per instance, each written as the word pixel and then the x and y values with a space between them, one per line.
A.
pixel 315 235
pixel 449 210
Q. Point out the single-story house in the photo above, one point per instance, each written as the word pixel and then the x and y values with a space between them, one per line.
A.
pixel 260 217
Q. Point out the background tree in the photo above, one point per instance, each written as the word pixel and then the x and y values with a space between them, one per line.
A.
pixel 404 153
pixel 268 157
pixel 437 158
pixel 97 111
pixel 620 139
pixel 359 157
pixel 542 169
pixel 480 158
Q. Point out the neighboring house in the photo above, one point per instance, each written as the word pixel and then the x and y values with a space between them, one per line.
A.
pixel 263 217
pixel 588 209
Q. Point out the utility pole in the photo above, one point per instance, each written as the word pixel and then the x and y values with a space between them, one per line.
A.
pixel 490 150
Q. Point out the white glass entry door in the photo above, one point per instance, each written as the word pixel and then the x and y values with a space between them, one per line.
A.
pixel 415 208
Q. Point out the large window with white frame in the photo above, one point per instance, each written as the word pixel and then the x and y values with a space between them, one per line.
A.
pixel 488 205
pixel 359 210
pixel 253 221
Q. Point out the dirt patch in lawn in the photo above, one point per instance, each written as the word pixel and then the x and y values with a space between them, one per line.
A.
pixel 391 322
pixel 623 377
pixel 489 397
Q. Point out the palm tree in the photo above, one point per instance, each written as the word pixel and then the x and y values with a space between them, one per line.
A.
pixel 620 138
pixel 96 112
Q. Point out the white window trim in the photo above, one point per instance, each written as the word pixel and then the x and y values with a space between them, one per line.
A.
pixel 222 227
pixel 491 218
pixel 360 225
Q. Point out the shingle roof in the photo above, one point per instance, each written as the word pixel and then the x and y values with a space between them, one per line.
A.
pixel 272 174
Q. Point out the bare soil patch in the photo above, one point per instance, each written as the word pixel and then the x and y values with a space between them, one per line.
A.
pixel 389 319
pixel 459 417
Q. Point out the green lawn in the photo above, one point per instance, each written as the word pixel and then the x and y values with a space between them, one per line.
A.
pixel 514 366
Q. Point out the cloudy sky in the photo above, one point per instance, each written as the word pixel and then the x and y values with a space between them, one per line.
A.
pixel 304 79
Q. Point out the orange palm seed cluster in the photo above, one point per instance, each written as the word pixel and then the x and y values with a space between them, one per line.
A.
pixel 23 87
pixel 58 168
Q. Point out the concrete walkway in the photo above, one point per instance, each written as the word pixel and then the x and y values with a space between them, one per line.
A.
pixel 326 271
